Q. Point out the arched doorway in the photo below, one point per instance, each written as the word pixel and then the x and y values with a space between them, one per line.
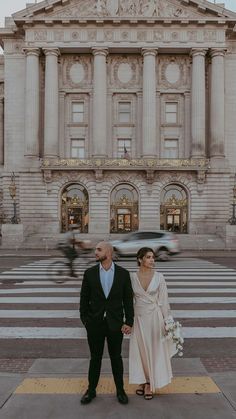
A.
pixel 174 209
pixel 75 208
pixel 124 209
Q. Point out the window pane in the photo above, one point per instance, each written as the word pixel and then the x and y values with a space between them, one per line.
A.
pixel 121 145
pixel 171 118
pixel 124 112
pixel 78 112
pixel 171 149
pixel 78 148
pixel 171 107
pixel 171 113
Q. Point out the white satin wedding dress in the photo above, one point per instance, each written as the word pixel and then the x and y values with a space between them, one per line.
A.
pixel 150 352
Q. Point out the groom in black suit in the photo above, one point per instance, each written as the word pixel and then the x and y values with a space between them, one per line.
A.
pixel 106 310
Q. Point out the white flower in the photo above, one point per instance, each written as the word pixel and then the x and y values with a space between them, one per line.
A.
pixel 173 330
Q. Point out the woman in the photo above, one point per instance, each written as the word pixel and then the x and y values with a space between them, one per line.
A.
pixel 150 351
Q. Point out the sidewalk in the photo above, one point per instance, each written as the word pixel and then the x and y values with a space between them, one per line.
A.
pixel 52 389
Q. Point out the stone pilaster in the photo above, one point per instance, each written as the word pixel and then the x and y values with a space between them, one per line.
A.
pixel 198 108
pixel 217 103
pixel 149 103
pixel 32 102
pixel 51 107
pixel 99 145
pixel 1 130
pixel 187 128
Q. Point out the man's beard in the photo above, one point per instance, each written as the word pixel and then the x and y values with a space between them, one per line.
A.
pixel 101 258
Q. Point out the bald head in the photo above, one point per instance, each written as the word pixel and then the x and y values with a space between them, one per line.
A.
pixel 104 252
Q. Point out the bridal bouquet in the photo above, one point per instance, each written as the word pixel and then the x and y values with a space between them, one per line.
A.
pixel 173 331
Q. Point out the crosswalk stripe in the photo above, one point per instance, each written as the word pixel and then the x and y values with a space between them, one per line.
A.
pixel 75 314
pixel 80 333
pixel 186 276
pixel 76 290
pixel 71 300
pixel 48 283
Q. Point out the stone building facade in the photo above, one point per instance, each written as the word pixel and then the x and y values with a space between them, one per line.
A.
pixel 118 115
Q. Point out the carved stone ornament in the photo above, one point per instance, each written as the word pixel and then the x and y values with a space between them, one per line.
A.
pixel 77 71
pixel 150 176
pixel 47 176
pixel 124 72
pixel 174 72
pixel 99 175
pixel 106 8
pixel 135 164
pixel 201 176
pixel 40 35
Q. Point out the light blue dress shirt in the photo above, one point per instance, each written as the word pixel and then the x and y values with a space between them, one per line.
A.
pixel 107 278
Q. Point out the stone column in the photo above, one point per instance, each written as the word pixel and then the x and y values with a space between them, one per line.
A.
pixel 217 103
pixel 1 130
pixel 99 145
pixel 32 102
pixel 149 139
pixel 198 108
pixel 51 107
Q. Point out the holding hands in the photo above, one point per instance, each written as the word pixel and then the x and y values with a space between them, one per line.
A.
pixel 126 330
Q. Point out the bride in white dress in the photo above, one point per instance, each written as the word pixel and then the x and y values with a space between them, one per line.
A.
pixel 150 351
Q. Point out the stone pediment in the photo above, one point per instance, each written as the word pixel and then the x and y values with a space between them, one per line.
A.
pixel 76 9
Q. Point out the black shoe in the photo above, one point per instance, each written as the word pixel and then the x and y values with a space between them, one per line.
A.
pixel 88 397
pixel 122 397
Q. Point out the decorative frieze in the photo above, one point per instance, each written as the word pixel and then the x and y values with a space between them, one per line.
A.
pixel 131 35
pixel 134 164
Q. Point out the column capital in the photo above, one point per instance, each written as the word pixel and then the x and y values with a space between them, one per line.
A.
pixel 31 51
pixel 217 52
pixel 149 51
pixel 100 51
pixel 198 52
pixel 51 51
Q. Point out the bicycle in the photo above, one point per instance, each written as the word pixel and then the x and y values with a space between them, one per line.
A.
pixel 61 271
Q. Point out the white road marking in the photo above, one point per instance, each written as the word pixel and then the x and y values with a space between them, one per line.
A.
pixel 72 300
pixel 185 314
pixel 80 332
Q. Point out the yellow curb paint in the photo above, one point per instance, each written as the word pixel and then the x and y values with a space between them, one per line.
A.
pixel 179 385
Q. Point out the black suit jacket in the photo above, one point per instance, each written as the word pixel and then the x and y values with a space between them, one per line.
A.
pixel 118 306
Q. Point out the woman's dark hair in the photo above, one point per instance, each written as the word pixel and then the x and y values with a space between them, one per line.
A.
pixel 142 252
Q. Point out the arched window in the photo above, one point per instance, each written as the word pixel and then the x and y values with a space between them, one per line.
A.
pixel 124 209
pixel 174 209
pixel 75 208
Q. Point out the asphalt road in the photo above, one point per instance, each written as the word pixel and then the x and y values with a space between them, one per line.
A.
pixel 43 348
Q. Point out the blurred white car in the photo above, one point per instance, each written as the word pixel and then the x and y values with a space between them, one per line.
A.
pixel 163 243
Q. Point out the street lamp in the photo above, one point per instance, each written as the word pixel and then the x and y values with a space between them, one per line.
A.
pixel 12 192
pixel 232 220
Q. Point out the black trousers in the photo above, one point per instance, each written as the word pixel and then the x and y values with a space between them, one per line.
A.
pixel 96 341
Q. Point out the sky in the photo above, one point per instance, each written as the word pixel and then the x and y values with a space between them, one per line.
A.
pixel 7 7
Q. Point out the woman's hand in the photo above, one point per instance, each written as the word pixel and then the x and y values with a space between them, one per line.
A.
pixel 126 330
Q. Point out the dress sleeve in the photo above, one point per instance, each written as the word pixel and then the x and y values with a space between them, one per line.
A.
pixel 163 300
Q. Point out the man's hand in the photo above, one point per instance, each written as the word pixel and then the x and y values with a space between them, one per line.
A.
pixel 126 330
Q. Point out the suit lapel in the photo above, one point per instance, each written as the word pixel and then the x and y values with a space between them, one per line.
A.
pixel 98 281
pixel 114 281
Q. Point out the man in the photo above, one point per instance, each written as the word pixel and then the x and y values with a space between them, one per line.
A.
pixel 106 300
